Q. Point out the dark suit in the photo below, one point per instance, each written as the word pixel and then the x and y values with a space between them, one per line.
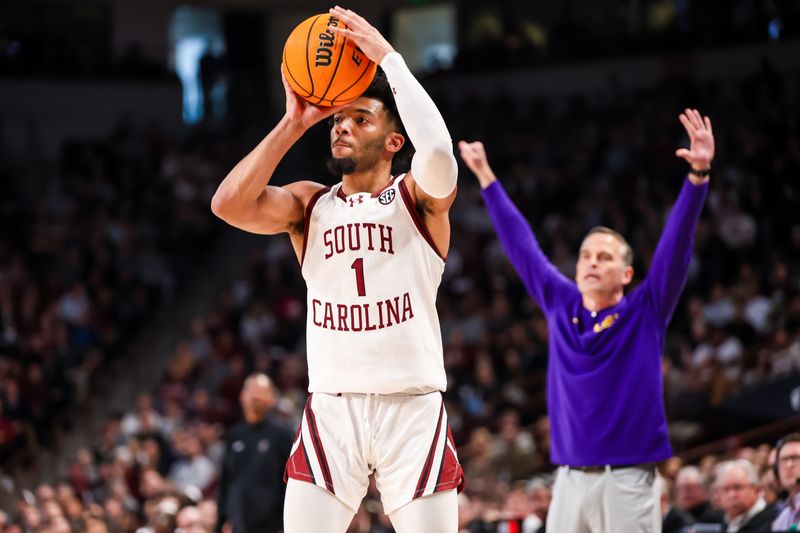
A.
pixel 675 520
pixel 762 522
pixel 251 489
pixel 706 514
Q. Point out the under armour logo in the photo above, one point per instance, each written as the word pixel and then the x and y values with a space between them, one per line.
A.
pixel 358 199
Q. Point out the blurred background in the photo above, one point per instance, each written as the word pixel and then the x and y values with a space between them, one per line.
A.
pixel 130 317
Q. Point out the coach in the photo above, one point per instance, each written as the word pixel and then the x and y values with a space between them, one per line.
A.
pixel 604 383
pixel 251 489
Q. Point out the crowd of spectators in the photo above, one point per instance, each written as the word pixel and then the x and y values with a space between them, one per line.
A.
pixel 124 228
pixel 520 34
pixel 83 264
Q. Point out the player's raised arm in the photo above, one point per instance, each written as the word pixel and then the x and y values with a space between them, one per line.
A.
pixel 245 200
pixel 433 167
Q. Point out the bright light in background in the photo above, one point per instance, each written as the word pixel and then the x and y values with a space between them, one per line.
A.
pixel 774 29
pixel 196 34
pixel 426 36
pixel 188 52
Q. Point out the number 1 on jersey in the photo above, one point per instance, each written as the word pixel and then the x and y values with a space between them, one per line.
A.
pixel 358 266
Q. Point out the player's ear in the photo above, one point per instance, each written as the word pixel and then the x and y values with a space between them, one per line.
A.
pixel 395 142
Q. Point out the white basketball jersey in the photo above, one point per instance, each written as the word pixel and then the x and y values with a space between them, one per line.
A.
pixel 372 272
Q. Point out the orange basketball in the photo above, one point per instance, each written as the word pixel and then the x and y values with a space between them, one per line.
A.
pixel 322 67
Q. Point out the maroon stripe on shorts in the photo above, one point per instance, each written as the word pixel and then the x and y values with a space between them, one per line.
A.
pixel 320 451
pixel 426 468
pixel 298 467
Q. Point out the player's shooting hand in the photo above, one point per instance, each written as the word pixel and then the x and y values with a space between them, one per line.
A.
pixel 701 140
pixel 474 155
pixel 364 34
pixel 301 113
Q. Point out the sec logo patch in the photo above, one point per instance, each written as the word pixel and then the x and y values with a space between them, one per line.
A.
pixel 387 196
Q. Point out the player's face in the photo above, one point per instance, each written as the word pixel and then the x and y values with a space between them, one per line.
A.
pixel 600 267
pixel 360 131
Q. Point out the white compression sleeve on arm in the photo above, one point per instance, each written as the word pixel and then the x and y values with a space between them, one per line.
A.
pixel 433 166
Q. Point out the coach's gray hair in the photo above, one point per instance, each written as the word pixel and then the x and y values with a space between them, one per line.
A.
pixel 737 464
pixel 626 251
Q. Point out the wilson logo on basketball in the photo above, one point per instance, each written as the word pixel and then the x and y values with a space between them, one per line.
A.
pixel 386 197
pixel 325 48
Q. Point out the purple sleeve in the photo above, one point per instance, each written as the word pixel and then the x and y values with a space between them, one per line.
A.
pixel 670 264
pixel 540 277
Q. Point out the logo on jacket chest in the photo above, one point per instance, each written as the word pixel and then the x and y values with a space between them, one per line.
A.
pixel 606 323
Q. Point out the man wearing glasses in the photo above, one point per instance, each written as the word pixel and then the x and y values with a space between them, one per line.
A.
pixel 787 473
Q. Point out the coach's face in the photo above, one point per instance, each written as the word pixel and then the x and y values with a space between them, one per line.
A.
pixel 601 268
pixel 364 133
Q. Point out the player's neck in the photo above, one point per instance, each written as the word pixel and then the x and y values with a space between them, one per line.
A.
pixel 369 181
pixel 597 301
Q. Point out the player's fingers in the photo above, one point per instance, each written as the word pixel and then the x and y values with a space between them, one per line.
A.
pixel 341 14
pixel 683 153
pixel 348 17
pixel 343 31
pixel 283 78
pixel 708 125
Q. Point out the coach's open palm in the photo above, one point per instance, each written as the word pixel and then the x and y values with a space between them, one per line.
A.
pixel 364 34
pixel 701 149
pixel 300 112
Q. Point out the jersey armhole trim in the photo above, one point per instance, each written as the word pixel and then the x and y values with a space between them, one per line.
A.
pixel 418 222
pixel 307 220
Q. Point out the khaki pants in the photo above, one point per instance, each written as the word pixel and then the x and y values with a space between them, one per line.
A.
pixel 625 500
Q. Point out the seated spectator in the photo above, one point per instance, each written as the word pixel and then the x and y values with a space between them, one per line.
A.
pixel 787 462
pixel 744 507
pixel 673 519
pixel 692 496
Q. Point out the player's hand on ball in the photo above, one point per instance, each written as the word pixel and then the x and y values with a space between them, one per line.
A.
pixel 300 112
pixel 364 34
pixel 474 155
pixel 701 137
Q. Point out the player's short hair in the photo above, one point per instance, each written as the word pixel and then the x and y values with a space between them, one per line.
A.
pixel 627 251
pixel 380 90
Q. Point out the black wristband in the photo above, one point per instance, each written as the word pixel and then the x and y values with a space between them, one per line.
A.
pixel 700 173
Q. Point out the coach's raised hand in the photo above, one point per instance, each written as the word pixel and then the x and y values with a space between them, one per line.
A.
pixel 701 148
pixel 366 37
pixel 474 155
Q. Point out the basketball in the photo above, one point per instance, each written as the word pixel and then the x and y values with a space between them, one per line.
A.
pixel 322 67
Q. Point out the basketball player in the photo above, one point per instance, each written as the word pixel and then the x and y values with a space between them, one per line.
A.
pixel 604 385
pixel 372 250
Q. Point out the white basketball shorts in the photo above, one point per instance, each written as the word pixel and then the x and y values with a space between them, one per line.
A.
pixel 403 439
